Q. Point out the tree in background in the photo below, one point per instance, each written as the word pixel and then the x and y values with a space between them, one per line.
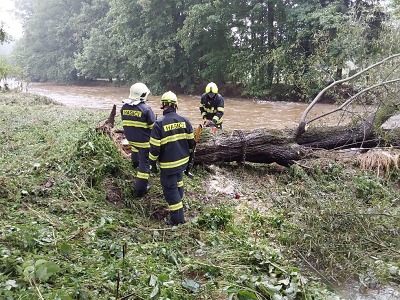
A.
pixel 7 69
pixel 206 39
pixel 146 32
pixel 46 51
pixel 279 49
pixel 3 34
pixel 98 57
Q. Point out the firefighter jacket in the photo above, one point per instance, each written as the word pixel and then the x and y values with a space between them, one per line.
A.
pixel 137 120
pixel 212 108
pixel 171 142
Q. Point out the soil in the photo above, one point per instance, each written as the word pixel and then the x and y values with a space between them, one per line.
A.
pixel 113 192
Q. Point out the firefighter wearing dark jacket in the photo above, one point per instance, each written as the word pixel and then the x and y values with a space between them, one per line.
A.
pixel 171 143
pixel 138 120
pixel 212 106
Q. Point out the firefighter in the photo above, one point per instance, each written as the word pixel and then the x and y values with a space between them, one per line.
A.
pixel 212 106
pixel 138 120
pixel 171 143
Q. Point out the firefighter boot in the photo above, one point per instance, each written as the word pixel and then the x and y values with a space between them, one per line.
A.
pixel 177 217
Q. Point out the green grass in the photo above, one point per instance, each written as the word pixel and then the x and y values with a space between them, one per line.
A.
pixel 70 228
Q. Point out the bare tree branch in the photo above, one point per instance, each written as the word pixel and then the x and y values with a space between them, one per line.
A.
pixel 302 124
pixel 350 100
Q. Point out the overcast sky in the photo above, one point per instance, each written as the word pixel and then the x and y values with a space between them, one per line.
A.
pixel 11 25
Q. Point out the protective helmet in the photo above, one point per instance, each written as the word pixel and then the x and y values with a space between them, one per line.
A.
pixel 169 98
pixel 139 92
pixel 212 88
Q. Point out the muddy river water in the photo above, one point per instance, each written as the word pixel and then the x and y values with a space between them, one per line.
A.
pixel 239 114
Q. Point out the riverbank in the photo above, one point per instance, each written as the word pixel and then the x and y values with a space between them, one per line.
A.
pixel 70 225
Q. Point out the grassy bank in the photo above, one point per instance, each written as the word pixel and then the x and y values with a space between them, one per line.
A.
pixel 70 228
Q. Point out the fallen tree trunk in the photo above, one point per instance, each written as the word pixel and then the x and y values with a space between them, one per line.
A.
pixel 267 146
pixel 263 145
pixel 340 137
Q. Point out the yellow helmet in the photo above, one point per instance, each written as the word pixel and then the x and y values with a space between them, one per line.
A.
pixel 139 92
pixel 212 88
pixel 169 98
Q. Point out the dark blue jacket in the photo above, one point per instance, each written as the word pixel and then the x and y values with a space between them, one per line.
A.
pixel 212 108
pixel 137 120
pixel 171 142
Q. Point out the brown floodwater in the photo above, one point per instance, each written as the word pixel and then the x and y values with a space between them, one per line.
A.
pixel 244 114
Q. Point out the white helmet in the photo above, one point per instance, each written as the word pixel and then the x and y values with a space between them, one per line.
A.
pixel 139 92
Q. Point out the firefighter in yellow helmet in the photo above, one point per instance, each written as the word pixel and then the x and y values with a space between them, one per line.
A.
pixel 212 106
pixel 138 120
pixel 171 143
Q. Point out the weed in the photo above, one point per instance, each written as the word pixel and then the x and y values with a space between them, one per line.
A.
pixel 71 229
pixel 95 157
pixel 218 218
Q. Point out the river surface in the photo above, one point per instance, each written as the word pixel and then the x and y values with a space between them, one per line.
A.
pixel 240 113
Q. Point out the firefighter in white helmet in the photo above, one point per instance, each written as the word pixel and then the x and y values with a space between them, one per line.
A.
pixel 171 143
pixel 138 120
pixel 212 106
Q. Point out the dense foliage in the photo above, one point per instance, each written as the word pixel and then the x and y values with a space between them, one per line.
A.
pixel 71 229
pixel 277 48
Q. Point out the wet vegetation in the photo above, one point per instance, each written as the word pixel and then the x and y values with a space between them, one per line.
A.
pixel 71 229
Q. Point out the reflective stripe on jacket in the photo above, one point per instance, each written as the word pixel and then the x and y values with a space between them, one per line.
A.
pixel 137 120
pixel 171 141
pixel 212 108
